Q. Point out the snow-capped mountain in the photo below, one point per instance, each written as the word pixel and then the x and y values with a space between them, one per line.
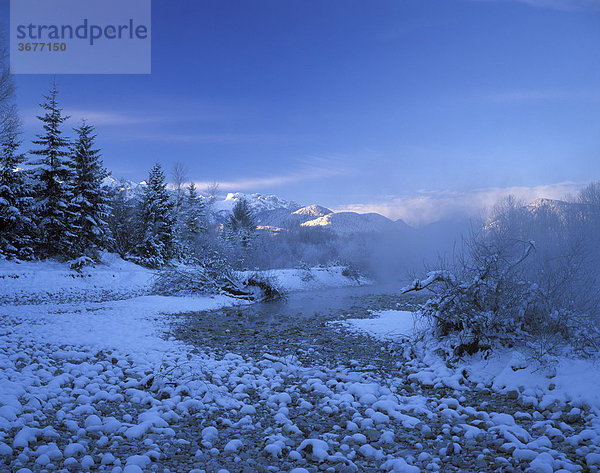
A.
pixel 275 213
pixel 268 211
pixel 257 202
pixel 553 210
pixel 346 223
pixel 559 208
pixel 132 189
pixel 313 211
pixel 306 214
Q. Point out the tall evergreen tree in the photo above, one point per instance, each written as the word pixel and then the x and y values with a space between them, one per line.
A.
pixel 53 171
pixel 193 216
pixel 89 196
pixel 157 220
pixel 15 202
pixel 122 221
pixel 241 224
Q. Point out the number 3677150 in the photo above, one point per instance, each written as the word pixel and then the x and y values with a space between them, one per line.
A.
pixel 49 47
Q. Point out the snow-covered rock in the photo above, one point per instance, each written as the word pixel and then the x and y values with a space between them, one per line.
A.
pixel 399 465
pixel 315 449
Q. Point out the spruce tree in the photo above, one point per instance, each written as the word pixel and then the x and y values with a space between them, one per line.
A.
pixel 193 216
pixel 157 220
pixel 241 225
pixel 89 196
pixel 122 221
pixel 15 202
pixel 53 172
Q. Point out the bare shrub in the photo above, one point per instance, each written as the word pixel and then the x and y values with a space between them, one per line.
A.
pixel 505 287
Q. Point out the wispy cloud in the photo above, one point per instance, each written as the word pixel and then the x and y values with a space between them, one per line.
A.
pixel 309 169
pixel 572 5
pixel 163 127
pixel 564 4
pixel 164 110
pixel 541 95
pixel 200 137
pixel 97 117
pixel 104 118
pixel 431 206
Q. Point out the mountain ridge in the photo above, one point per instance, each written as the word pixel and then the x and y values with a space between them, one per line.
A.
pixel 271 211
pixel 274 212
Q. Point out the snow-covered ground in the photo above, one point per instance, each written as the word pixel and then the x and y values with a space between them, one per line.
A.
pixel 98 385
pixel 396 325
pixel 557 394
pixel 71 372
pixel 576 381
pixel 49 281
pixel 104 385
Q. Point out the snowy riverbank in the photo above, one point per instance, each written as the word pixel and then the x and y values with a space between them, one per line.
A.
pixel 107 386
pixel 36 282
pixel 560 380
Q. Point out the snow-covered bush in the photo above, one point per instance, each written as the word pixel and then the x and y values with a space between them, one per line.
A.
pixel 79 263
pixel 266 288
pixel 476 305
pixel 209 275
pixel 503 288
pixel 351 271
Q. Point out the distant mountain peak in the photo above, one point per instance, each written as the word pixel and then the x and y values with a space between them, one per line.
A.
pixel 543 207
pixel 268 210
pixel 543 202
pixel 313 210
pixel 347 223
pixel 559 207
pixel 131 189
pixel 257 202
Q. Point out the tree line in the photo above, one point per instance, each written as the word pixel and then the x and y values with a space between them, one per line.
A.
pixel 54 204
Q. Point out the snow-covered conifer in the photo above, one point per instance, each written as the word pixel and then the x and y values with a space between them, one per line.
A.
pixel 89 195
pixel 15 202
pixel 241 225
pixel 193 217
pixel 53 172
pixel 123 221
pixel 157 222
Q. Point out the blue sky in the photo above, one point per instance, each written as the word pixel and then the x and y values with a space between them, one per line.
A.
pixel 417 108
